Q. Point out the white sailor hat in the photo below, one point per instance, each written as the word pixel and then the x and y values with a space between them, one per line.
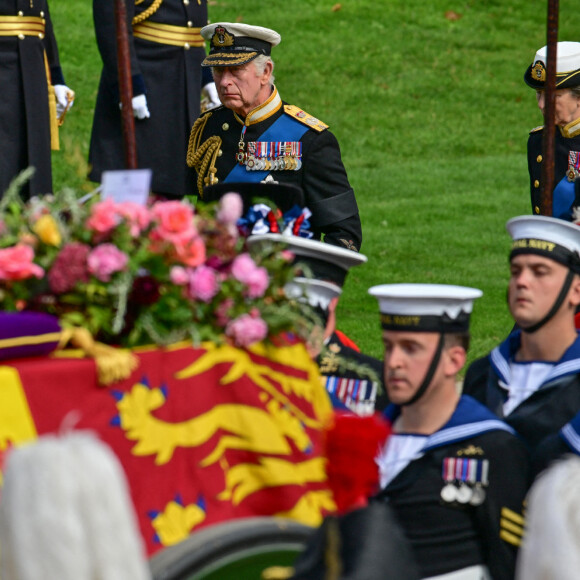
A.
pixel 318 293
pixel 234 44
pixel 425 307
pixel 546 236
pixel 325 261
pixel 567 67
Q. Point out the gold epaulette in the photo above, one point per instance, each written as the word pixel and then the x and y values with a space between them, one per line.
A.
pixel 202 157
pixel 536 129
pixel 305 118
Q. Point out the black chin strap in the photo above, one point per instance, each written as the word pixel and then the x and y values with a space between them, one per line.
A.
pixel 556 306
pixel 430 372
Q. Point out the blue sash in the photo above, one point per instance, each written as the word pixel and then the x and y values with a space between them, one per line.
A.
pixel 286 128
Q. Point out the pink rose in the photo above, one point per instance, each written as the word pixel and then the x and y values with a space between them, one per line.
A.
pixel 230 208
pixel 105 260
pixel 254 277
pixel 174 222
pixel 192 252
pixel 103 217
pixel 246 329
pixel 16 263
pixel 179 276
pixel 203 284
pixel 137 216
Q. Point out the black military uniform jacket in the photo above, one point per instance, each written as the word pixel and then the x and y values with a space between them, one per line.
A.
pixel 298 149
pixel 169 75
pixel 541 416
pixel 352 379
pixel 24 106
pixel 449 532
pixel 567 192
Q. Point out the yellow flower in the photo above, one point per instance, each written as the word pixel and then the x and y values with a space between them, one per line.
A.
pixel 47 230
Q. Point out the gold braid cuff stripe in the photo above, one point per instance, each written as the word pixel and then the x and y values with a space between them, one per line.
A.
pixel 168 34
pixel 21 26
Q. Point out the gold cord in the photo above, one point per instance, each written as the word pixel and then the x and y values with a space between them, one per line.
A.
pixel 146 13
pixel 203 157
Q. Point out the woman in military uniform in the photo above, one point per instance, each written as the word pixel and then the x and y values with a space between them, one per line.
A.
pixel 166 51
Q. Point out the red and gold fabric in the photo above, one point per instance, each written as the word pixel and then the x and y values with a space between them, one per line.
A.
pixel 204 434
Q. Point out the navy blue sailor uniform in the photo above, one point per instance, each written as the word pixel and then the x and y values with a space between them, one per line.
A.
pixel 566 194
pixel 166 50
pixel 352 379
pixel 544 415
pixel 459 497
pixel 29 66
pixel 279 142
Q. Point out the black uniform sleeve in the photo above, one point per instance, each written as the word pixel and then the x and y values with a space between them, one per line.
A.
pixel 329 195
pixel 106 34
pixel 51 47
pixel 500 518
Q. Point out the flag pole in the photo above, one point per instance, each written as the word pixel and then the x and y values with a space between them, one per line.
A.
pixel 125 85
pixel 548 143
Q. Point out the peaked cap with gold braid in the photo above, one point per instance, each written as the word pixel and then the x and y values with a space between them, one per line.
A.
pixel 234 44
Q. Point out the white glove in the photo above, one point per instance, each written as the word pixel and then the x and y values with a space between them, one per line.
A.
pixel 211 93
pixel 64 99
pixel 140 110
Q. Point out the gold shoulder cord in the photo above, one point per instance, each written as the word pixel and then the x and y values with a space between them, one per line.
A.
pixel 146 13
pixel 203 157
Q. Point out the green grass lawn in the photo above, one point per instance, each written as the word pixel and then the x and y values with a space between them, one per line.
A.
pixel 428 102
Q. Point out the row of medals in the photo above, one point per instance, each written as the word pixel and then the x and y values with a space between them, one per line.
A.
pixel 287 163
pixel 463 493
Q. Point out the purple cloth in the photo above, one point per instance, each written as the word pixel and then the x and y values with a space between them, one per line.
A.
pixel 14 325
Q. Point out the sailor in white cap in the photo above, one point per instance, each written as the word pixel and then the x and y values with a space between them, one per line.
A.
pixel 532 379
pixel 567 129
pixel 258 137
pixel 352 379
pixel 455 474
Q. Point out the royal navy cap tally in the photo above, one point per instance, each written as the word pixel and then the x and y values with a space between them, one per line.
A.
pixel 425 307
pixel 325 261
pixel 567 67
pixel 234 44
pixel 546 236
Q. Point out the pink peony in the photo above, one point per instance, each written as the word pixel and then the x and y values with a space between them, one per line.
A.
pixel 16 263
pixel 174 222
pixel 137 216
pixel 221 312
pixel 69 267
pixel 203 284
pixel 254 277
pixel 230 208
pixel 179 276
pixel 103 217
pixel 246 330
pixel 105 260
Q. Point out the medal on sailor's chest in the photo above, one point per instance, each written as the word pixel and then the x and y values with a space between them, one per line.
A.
pixel 465 480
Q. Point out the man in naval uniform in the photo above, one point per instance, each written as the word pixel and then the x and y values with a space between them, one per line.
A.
pixel 166 50
pixel 455 474
pixel 352 379
pixel 566 131
pixel 255 136
pixel 33 94
pixel 532 379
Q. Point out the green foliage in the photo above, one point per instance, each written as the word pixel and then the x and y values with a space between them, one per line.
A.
pixel 428 102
